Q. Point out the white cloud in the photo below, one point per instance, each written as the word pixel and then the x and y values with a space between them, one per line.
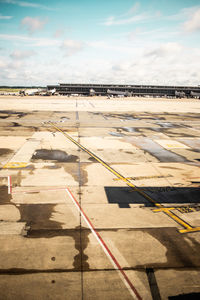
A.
pixel 17 54
pixel 33 24
pixel 5 17
pixel 31 41
pixel 71 47
pixel 121 21
pixel 193 22
pixel 58 33
pixel 26 4
pixel 134 8
pixel 167 49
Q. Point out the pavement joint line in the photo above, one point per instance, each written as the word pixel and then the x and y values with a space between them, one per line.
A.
pixel 130 184
pixel 134 293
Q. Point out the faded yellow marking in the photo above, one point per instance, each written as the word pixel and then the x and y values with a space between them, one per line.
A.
pixel 171 144
pixel 144 177
pixel 187 209
pixel 166 210
pixel 14 165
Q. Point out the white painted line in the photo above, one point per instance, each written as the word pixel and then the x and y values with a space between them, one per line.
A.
pixel 9 185
pixel 134 293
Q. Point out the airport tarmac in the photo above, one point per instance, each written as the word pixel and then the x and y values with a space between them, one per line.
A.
pixel 99 198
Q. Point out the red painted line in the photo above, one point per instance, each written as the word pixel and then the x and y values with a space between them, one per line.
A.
pixel 114 261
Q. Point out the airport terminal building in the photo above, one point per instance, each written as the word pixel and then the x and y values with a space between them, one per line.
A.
pixel 125 90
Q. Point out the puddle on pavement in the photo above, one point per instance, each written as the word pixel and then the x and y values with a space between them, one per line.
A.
pixel 128 129
pixel 166 124
pixel 58 155
pixel 116 134
pixel 124 116
pixel 156 150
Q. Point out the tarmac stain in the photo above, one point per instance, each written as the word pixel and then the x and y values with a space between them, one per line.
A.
pixel 4 196
pixel 81 243
pixel 16 124
pixel 58 155
pixel 10 113
pixel 181 251
pixel 29 214
pixel 5 151
pixel 16 179
pixel 156 150
pixel 4 117
pixel 92 159
pixel 38 216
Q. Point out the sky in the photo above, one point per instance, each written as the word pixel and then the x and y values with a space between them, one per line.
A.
pixel 151 42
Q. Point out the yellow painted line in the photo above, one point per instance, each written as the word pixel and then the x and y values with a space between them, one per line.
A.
pixel 127 178
pixel 108 167
pixel 166 210
pixel 14 165
pixel 193 229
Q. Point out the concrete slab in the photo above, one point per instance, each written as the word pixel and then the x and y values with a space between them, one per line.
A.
pixel 11 228
pixel 9 213
pixel 41 250
pixel 115 217
pixel 41 286
pixel 187 283
pixel 50 177
pixel 97 284
pixel 105 143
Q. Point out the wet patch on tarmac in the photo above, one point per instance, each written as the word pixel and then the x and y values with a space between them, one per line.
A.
pixel 180 251
pixel 156 150
pixel 91 158
pixel 57 155
pixel 14 124
pixel 17 178
pixel 79 234
pixel 5 151
pixel 9 113
pixel 193 143
pixel 5 198
pixel 116 134
pixel 38 216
